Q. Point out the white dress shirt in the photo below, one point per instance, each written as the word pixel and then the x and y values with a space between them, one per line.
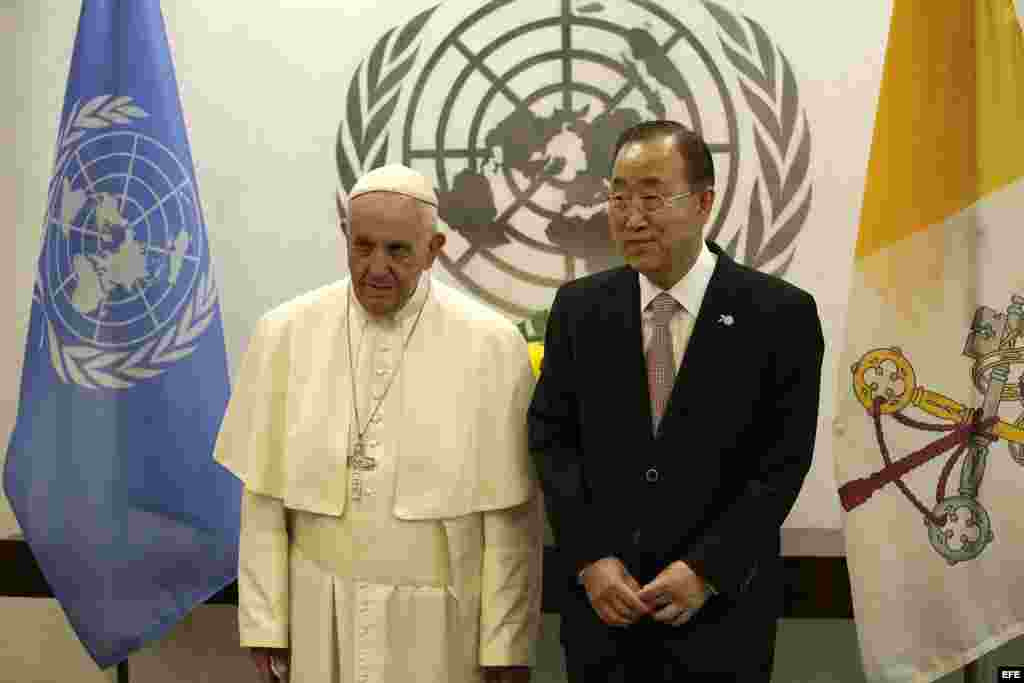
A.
pixel 689 292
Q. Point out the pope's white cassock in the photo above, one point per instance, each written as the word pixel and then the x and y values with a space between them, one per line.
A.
pixel 425 567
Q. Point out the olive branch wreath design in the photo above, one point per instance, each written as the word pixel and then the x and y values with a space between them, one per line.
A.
pixel 781 133
pixel 782 139
pixel 373 94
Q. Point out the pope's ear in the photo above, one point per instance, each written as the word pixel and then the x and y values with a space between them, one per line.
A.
pixel 436 244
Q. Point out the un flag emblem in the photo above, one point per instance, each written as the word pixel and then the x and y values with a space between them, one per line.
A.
pixel 124 276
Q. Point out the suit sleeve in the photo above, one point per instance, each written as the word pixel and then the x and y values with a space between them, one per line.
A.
pixel 554 438
pixel 511 585
pixel 727 553
pixel 263 580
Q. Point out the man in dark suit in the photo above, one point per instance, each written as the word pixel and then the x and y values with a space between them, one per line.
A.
pixel 666 490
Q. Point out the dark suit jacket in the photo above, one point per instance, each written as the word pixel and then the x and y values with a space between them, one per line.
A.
pixel 714 486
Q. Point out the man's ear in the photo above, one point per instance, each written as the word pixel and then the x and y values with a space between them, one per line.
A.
pixel 707 200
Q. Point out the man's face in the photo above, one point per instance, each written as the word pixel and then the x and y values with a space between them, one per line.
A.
pixel 656 243
pixel 389 245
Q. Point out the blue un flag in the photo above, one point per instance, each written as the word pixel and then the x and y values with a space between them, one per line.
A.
pixel 109 469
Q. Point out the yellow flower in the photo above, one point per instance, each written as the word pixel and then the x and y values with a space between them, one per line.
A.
pixel 536 356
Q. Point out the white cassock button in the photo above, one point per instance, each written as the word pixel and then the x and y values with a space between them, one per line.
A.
pixel 382 371
pixel 652 475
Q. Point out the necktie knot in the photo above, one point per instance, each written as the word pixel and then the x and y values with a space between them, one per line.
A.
pixel 662 308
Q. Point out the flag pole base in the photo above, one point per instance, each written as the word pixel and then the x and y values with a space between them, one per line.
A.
pixel 122 672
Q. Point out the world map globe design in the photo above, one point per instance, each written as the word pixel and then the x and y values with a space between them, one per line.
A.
pixel 521 141
pixel 124 243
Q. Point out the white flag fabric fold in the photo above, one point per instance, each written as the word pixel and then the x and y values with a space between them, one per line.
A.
pixel 930 429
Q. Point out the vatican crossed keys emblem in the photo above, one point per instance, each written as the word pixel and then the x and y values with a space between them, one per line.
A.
pixel 884 382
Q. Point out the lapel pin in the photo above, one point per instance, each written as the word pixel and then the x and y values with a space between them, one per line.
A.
pixel 726 320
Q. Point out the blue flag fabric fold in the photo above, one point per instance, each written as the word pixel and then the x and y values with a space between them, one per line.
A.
pixel 109 469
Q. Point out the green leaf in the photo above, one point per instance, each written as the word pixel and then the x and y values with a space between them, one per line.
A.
pixel 755 226
pixel 411 31
pixel 767 52
pixel 92 105
pixel 382 154
pixel 380 120
pixel 729 24
pixel 346 174
pixel 398 73
pixel 132 110
pixel 373 69
pixel 355 114
pixel 786 234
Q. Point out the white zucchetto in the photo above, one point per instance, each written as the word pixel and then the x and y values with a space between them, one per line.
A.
pixel 398 179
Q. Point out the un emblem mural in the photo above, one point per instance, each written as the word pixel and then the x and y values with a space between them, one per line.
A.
pixel 123 277
pixel 513 109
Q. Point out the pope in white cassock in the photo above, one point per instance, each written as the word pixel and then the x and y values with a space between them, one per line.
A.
pixel 391 524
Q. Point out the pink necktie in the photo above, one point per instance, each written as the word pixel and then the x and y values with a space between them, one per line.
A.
pixel 661 373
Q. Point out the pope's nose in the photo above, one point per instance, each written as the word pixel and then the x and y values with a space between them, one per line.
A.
pixel 635 218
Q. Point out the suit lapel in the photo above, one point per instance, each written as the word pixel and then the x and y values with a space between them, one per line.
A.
pixel 622 330
pixel 712 342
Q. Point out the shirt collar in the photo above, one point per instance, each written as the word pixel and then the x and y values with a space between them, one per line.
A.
pixel 690 289
pixel 407 311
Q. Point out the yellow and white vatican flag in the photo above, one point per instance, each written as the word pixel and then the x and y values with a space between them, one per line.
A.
pixel 930 427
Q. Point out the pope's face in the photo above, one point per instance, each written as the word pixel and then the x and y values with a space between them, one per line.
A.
pixel 389 245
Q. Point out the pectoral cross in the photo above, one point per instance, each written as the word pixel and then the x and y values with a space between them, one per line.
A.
pixel 359 460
